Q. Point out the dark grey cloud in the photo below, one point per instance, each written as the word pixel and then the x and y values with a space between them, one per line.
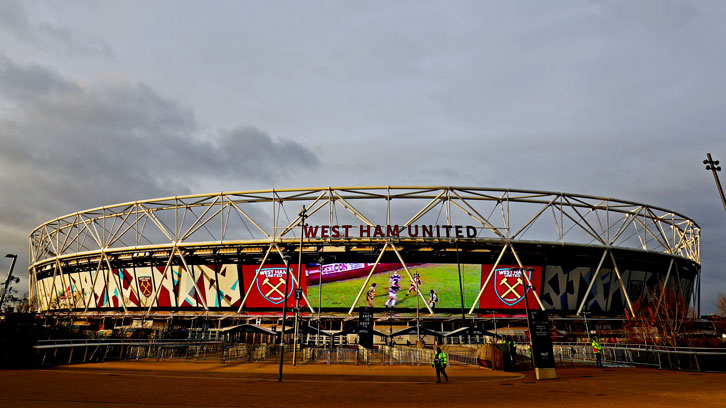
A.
pixel 15 22
pixel 609 98
pixel 67 147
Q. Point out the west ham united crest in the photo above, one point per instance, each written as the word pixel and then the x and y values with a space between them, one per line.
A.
pixel 510 285
pixel 271 284
pixel 145 286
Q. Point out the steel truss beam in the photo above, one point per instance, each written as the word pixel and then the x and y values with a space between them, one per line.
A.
pixel 170 224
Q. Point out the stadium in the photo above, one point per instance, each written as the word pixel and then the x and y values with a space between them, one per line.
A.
pixel 239 257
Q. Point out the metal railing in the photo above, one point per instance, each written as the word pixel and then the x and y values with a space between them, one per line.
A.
pixel 399 355
pixel 673 358
pixel 69 351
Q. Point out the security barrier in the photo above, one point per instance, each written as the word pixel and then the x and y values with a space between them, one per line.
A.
pixel 665 358
pixel 54 352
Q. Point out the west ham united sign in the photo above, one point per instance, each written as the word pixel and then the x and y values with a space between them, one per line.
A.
pixel 510 284
pixel 271 284
pixel 506 288
pixel 267 288
pixel 145 286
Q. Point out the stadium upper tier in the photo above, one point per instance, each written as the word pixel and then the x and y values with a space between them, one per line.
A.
pixel 347 224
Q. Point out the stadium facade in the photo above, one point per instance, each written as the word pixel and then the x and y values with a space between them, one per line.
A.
pixel 478 249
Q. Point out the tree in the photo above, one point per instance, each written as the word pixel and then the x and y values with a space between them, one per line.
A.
pixel 13 302
pixel 721 304
pixel 666 322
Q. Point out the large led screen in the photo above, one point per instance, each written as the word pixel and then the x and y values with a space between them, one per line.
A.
pixel 339 284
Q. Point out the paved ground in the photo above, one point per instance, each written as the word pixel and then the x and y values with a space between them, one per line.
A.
pixel 182 384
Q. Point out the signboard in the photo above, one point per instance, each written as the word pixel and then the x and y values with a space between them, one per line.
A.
pixel 270 289
pixel 365 328
pixel 507 286
pixel 390 285
pixel 389 231
pixel 541 339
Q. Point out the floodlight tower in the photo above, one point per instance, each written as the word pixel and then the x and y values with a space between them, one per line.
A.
pixel 9 280
pixel 714 167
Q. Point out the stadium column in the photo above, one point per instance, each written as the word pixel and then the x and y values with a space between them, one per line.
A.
pixel 63 281
pixel 534 291
pixel 161 282
pixel 622 286
pixel 305 298
pixel 405 268
pixel 52 286
pixel 194 281
pixel 592 281
pixel 665 281
pixel 257 273
pixel 93 284
pixel 486 282
pixel 368 278
pixel 119 286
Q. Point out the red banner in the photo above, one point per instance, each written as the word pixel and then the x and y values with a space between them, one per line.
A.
pixel 506 287
pixel 269 288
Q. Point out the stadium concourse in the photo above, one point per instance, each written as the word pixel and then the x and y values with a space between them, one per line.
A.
pixel 441 259
pixel 170 384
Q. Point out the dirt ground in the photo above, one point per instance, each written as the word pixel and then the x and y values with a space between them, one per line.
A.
pixel 187 384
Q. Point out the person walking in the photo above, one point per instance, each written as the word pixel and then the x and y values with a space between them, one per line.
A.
pixel 439 364
pixel 512 352
pixel 597 349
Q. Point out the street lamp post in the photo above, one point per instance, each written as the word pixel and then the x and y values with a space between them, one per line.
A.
pixel 587 329
pixel 527 286
pixel 9 279
pixel 284 314
pixel 713 165
pixel 299 286
pixel 320 295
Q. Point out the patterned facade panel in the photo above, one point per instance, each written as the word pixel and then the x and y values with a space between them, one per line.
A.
pixel 73 290
pixel 564 288
pixel 64 291
pixel 163 280
pixel 207 282
pixel 125 277
pixel 229 286
pixel 185 291
pixel 46 288
pixel 100 297
pixel 85 283
pixel 144 282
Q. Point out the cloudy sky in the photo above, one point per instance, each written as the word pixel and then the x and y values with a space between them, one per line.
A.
pixel 111 101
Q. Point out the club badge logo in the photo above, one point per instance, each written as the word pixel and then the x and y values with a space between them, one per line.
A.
pixel 509 285
pixel 145 285
pixel 271 284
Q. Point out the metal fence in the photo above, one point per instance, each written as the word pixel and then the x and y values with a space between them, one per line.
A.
pixel 53 352
pixel 399 355
pixel 672 358
pixel 242 352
